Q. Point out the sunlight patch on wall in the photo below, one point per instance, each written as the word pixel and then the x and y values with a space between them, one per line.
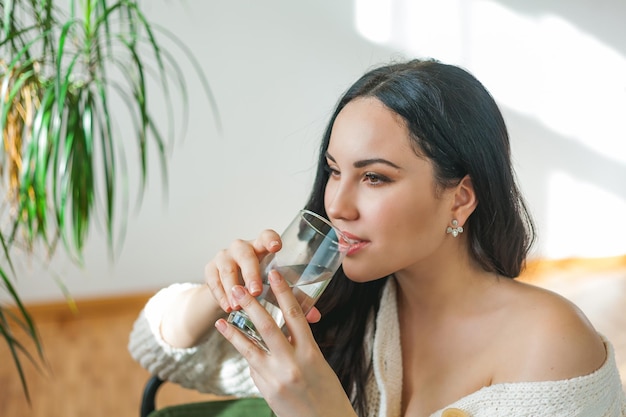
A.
pixel 582 220
pixel 547 68
pixel 373 19
pixel 538 65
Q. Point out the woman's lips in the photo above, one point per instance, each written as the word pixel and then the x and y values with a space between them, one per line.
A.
pixel 356 243
pixel 355 247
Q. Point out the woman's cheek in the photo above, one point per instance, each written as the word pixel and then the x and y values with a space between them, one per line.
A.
pixel 328 193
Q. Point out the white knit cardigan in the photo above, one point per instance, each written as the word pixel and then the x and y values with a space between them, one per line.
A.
pixel 216 367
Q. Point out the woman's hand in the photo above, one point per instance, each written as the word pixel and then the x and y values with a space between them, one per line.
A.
pixel 239 265
pixel 294 377
pixel 192 314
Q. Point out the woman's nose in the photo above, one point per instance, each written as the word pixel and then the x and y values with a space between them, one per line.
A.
pixel 341 202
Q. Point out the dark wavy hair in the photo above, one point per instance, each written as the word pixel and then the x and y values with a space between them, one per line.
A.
pixel 454 122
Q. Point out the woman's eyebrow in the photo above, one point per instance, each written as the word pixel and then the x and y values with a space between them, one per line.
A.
pixel 366 162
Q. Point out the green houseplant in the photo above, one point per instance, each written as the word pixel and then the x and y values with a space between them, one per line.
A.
pixel 65 67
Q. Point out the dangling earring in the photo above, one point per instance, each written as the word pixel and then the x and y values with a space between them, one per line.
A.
pixel 455 229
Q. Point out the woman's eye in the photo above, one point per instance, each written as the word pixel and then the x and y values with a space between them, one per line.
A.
pixel 331 171
pixel 376 179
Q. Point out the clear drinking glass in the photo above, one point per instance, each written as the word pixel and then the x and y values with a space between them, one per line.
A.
pixel 312 252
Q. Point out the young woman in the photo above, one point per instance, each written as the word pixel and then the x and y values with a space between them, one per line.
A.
pixel 424 318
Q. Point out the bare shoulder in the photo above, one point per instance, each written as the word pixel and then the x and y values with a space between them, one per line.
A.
pixel 550 337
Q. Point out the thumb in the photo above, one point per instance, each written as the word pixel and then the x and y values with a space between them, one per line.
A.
pixel 314 315
pixel 268 241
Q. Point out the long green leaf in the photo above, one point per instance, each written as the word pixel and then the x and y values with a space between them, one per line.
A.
pixel 7 18
pixel 28 200
pixel 27 319
pixel 80 175
pixel 208 91
pixel 13 346
pixel 139 91
pixel 27 324
pixel 99 105
pixel 5 250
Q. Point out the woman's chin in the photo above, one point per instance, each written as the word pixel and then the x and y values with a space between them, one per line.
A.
pixel 361 276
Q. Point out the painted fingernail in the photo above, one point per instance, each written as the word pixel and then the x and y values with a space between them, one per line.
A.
pixel 238 292
pixel 221 325
pixel 274 244
pixel 274 276
pixel 255 288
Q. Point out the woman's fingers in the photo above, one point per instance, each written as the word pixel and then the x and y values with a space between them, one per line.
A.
pixel 295 319
pixel 237 265
pixel 247 256
pixel 248 349
pixel 314 315
pixel 228 263
pixel 268 241
pixel 291 309
pixel 212 280
pixel 263 323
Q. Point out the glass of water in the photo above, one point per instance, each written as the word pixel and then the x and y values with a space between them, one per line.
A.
pixel 312 252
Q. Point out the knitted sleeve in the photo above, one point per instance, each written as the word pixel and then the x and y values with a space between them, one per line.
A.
pixel 214 366
pixel 599 394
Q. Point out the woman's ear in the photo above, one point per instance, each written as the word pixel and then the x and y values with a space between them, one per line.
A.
pixel 464 200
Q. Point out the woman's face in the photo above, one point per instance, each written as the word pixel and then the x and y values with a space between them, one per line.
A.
pixel 382 194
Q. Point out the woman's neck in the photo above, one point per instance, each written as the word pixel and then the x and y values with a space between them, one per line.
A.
pixel 442 286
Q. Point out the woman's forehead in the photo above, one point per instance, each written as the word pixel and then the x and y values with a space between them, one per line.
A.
pixel 365 127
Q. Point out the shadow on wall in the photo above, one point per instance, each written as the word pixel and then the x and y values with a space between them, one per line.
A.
pixel 581 192
pixel 604 19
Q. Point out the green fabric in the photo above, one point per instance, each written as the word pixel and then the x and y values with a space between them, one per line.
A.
pixel 241 407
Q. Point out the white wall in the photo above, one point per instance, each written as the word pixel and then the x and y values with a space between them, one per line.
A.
pixel 277 67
